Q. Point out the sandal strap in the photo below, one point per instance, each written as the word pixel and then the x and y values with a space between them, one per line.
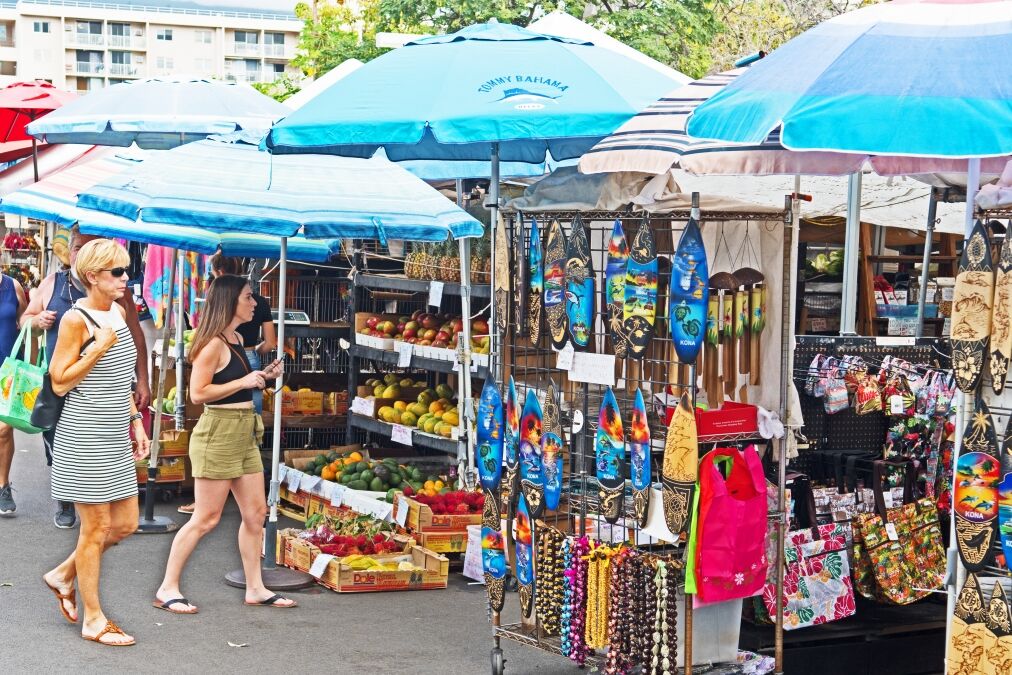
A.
pixel 110 628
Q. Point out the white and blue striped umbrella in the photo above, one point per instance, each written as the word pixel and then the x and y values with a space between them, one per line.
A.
pixel 917 79
pixel 159 113
pixel 234 187
pixel 55 198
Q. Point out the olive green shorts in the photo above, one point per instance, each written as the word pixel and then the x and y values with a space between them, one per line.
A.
pixel 225 444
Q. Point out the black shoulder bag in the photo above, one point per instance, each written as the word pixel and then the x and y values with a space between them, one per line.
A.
pixel 49 404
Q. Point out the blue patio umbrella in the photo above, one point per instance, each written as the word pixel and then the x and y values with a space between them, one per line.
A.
pixel 159 113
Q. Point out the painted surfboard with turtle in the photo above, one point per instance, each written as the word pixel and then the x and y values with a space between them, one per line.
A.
pixel 639 459
pixel 491 439
pixel 971 310
pixel 640 308
pixel 554 297
pixel 689 294
pixel 551 449
pixel 510 484
pixel 975 493
pixel 609 450
pixel 580 294
pixel 532 474
pixel 614 288
pixel 523 538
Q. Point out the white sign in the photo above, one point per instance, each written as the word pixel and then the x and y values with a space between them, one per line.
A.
pixel 320 564
pixel 887 497
pixel 364 406
pixel 401 515
pixel 294 480
pixel 577 421
pixel 282 472
pixel 896 406
pixel 311 483
pixel 891 531
pixel 905 326
pixel 593 369
pixel 565 361
pixel 404 350
pixel 391 307
pixel 401 434
pixel 337 495
pixel 435 293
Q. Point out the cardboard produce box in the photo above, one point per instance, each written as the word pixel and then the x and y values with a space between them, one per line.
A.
pixel 170 470
pixel 343 450
pixel 173 443
pixel 422 519
pixel 443 542
pixel 435 574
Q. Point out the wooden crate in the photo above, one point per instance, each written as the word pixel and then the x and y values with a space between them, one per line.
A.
pixel 421 519
pixel 174 443
pixel 435 574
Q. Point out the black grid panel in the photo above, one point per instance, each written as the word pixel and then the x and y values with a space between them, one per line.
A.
pixel 533 366
pixel 846 431
pixel 324 299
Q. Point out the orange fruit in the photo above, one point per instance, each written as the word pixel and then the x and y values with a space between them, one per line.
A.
pixel 354 457
pixel 327 473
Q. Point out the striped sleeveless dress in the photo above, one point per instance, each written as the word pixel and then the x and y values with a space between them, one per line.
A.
pixel 92 456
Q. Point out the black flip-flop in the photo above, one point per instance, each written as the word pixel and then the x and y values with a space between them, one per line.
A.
pixel 167 606
pixel 273 602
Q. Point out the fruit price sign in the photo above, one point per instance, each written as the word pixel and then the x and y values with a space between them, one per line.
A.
pixel 435 294
pixel 404 351
pixel 401 434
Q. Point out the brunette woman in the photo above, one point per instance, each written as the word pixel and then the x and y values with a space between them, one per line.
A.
pixel 225 445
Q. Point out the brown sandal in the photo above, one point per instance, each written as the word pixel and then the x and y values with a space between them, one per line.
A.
pixel 61 598
pixel 110 629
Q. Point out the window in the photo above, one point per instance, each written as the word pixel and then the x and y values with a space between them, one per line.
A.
pixel 248 36
pixel 274 38
pixel 202 37
pixel 277 68
pixel 121 58
pixel 164 63
pixel 119 29
pixel 8 68
pixel 89 27
pixel 40 26
pixel 203 65
pixel 164 34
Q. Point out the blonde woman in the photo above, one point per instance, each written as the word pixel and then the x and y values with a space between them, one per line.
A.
pixel 225 444
pixel 93 463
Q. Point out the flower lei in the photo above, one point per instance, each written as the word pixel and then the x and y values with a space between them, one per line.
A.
pixel 576 577
pixel 566 613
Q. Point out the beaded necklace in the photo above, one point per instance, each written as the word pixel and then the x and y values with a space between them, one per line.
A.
pixel 647 595
pixel 598 585
pixel 618 661
pixel 548 600
pixel 578 601
pixel 660 662
pixel 565 616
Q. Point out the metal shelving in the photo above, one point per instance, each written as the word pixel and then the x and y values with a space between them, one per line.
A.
pixel 418 438
pixel 417 362
pixel 398 282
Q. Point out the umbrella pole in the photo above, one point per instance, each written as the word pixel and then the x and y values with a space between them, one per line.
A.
pixel 180 348
pixel 464 349
pixel 35 159
pixel 274 577
pixel 851 254
pixel 493 326
pixel 972 187
pixel 922 293
pixel 150 523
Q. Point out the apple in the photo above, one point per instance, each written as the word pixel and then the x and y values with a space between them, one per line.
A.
pixel 429 334
pixel 442 336
pixel 416 315
pixel 429 321
pixel 401 325
pixel 409 333
pixel 480 327
pixel 411 325
pixel 372 321
pixel 411 340
pixel 403 319
pixel 425 343
pixel 458 325
pixel 439 343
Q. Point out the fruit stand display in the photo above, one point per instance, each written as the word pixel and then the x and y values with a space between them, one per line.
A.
pixel 438 518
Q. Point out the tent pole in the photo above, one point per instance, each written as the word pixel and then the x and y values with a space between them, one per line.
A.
pixel 150 523
pixel 851 255
pixel 180 347
pixel 493 326
pixel 35 158
pixel 972 187
pixel 274 577
pixel 922 293
pixel 466 412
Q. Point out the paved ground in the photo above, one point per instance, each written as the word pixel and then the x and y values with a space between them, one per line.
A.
pixel 441 632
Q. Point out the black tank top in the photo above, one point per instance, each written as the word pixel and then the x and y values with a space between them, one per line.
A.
pixel 237 367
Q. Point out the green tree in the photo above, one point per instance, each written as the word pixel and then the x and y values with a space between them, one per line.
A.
pixel 280 89
pixel 333 33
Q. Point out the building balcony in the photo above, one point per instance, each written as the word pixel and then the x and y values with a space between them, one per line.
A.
pixel 86 39
pixel 249 76
pixel 276 51
pixel 123 70
pixel 246 49
pixel 82 68
pixel 127 42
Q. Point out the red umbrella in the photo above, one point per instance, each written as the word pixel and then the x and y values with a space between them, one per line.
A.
pixel 23 102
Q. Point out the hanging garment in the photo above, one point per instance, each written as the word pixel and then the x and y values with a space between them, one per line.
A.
pixel 730 554
pixel 157 270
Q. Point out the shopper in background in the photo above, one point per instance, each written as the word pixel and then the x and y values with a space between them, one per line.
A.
pixel 225 444
pixel 93 458
pixel 12 304
pixel 49 302
pixel 259 337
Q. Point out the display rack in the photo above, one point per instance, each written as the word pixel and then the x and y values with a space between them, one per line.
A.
pixel 533 367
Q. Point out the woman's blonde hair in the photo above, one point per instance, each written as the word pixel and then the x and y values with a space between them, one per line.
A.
pixel 98 255
pixel 219 310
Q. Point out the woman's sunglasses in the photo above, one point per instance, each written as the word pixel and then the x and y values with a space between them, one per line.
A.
pixel 117 271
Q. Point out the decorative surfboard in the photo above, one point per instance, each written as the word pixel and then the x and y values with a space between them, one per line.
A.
pixel 511 450
pixel 520 282
pixel 523 538
pixel 963 654
pixel 971 310
pixel 536 284
pixel 502 277
pixel 640 308
pixel 554 297
pixel 551 449
pixel 580 287
pixel 614 287
pixel 998 620
pixel 1005 496
pixel 975 494
pixel 1001 318
pixel 532 474
pixel 609 450
pixel 680 466
pixel 491 428
pixel 689 294
pixel 639 459
pixel 493 553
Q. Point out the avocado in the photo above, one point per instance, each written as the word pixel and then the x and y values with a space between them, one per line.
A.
pixel 346 478
pixel 382 472
pixel 391 461
pixel 377 485
pixel 358 485
pixel 366 476
pixel 361 466
pixel 390 495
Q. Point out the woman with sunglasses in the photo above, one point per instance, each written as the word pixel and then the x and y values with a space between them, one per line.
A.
pixel 225 444
pixel 92 367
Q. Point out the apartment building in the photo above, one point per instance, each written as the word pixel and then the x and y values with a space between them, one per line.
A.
pixel 81 45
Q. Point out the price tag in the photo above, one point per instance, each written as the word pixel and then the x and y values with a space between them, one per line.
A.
pixel 364 406
pixel 401 512
pixel 887 497
pixel 337 495
pixel 891 531
pixel 311 483
pixel 896 406
pixel 319 565
pixel 294 480
pixel 391 307
pixel 565 360
pixel 326 489
pixel 435 293
pixel 282 472
pixel 401 434
pixel 593 369
pixel 404 351
pixel 343 344
pixel 577 421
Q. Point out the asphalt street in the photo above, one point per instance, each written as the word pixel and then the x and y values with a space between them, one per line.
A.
pixel 442 631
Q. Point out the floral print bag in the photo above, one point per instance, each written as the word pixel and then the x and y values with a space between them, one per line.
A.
pixel 817 585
